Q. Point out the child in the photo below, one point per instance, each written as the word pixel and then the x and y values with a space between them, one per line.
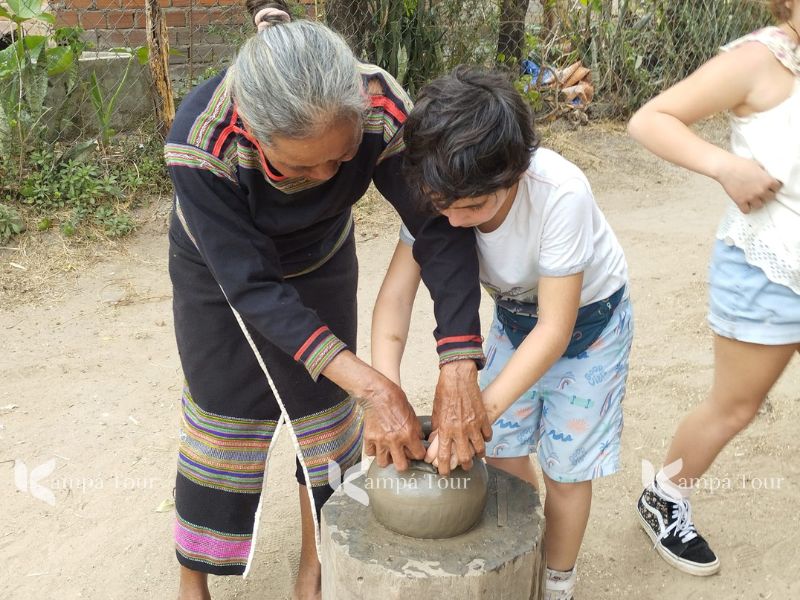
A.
pixel 755 268
pixel 547 257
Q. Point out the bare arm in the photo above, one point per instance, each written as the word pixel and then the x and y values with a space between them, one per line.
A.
pixel 726 82
pixel 392 432
pixel 391 317
pixel 559 298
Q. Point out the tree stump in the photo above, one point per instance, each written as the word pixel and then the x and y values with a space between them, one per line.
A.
pixel 501 558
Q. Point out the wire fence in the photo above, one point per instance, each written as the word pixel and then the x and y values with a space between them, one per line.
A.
pixel 78 104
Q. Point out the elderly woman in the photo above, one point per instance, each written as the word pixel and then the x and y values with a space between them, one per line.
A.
pixel 267 160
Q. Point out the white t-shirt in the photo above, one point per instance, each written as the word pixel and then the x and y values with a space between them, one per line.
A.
pixel 554 229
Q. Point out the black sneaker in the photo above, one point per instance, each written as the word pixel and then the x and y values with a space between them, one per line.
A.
pixel 669 525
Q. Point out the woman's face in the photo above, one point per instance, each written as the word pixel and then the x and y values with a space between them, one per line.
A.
pixel 318 157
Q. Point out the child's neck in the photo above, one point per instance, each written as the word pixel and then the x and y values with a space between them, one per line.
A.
pixel 501 214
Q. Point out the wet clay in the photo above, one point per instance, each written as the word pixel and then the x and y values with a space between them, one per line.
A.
pixel 420 503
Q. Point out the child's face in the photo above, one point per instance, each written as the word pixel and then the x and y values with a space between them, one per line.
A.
pixel 472 212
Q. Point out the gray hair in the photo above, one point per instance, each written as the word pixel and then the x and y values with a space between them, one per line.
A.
pixel 295 79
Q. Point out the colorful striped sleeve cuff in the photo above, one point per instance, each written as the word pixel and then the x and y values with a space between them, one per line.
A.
pixel 318 351
pixel 461 347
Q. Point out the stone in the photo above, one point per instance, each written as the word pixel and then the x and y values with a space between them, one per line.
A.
pixel 501 558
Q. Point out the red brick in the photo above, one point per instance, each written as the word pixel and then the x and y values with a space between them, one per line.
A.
pixel 208 2
pixel 93 19
pixel 228 2
pixel 78 4
pixel 164 3
pixel 175 18
pixel 120 19
pixel 181 2
pixel 107 3
pixel 211 16
pixel 67 18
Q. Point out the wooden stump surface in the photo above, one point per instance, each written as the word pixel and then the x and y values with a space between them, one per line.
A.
pixel 502 558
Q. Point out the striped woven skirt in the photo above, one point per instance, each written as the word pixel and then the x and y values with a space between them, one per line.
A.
pixel 230 415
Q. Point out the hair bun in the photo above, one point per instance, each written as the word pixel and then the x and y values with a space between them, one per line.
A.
pixel 269 16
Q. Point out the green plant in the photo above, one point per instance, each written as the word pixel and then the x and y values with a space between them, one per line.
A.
pixel 11 223
pixel 115 224
pixel 26 67
pixel 637 48
pixel 104 108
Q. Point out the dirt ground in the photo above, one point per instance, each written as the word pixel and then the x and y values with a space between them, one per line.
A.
pixel 91 384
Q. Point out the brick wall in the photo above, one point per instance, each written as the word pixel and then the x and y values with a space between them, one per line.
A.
pixel 202 33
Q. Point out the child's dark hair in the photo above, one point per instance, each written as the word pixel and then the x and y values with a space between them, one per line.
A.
pixel 470 134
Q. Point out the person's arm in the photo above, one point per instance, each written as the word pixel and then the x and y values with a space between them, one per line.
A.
pixel 726 82
pixel 559 298
pixel 244 262
pixel 566 249
pixel 449 265
pixel 391 316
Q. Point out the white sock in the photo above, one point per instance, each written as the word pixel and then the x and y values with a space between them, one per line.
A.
pixel 561 580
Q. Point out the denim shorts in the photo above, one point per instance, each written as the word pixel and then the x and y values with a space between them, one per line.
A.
pixel 572 416
pixel 744 305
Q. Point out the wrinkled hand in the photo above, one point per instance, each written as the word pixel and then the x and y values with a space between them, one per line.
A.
pixel 458 415
pixel 392 433
pixel 747 183
pixel 432 456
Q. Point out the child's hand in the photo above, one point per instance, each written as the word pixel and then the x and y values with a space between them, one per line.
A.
pixel 747 183
pixel 433 453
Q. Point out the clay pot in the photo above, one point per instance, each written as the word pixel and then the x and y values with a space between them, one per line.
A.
pixel 421 503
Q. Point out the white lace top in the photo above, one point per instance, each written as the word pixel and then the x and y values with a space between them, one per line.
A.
pixel 770 236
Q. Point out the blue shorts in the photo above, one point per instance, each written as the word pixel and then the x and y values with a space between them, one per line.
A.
pixel 573 415
pixel 744 305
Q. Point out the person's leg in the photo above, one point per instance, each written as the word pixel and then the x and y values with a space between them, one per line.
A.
pixel 309 573
pixel 743 375
pixel 193 585
pixel 757 329
pixel 518 466
pixel 566 511
pixel 228 420
pixel 580 432
pixel 326 424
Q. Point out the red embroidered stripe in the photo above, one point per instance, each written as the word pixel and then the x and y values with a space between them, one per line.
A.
pixel 460 338
pixel 389 107
pixel 231 128
pixel 309 341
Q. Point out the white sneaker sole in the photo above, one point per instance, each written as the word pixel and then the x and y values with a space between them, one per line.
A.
pixel 677 562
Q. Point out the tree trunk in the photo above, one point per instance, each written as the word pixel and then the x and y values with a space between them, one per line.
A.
pixel 158 44
pixel 511 40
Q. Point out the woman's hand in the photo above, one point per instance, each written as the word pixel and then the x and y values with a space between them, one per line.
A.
pixel 747 183
pixel 392 433
pixel 459 416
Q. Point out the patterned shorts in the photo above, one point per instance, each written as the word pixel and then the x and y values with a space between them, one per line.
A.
pixel 573 415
